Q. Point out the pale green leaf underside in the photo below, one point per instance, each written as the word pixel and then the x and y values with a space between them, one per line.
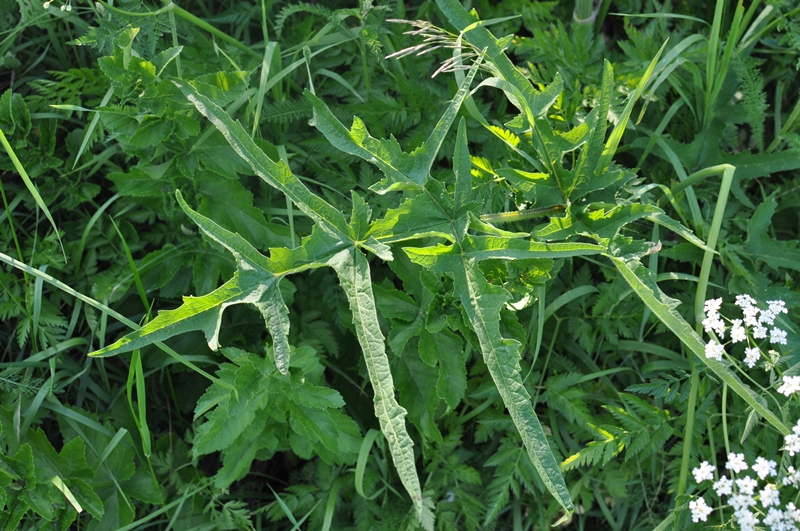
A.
pixel 353 270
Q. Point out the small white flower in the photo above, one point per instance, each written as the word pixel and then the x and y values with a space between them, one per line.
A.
pixel 747 520
pixel 714 324
pixel 46 5
pixel 752 355
pixel 791 513
pixel 63 8
pixel 737 331
pixel 700 510
pixel 770 496
pixel 777 307
pixel 745 301
pixel 736 462
pixel 759 331
pixel 791 443
pixel 765 467
pixel 774 518
pixel 791 384
pixel 714 350
pixel 747 485
pixel 712 306
pixel 704 472
pixel 724 486
pixel 792 476
pixel 69 7
pixel 740 502
pixel 750 315
pixel 776 335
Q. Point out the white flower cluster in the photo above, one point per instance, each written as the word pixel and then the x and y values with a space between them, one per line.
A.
pixel 751 505
pixel 791 443
pixel 758 322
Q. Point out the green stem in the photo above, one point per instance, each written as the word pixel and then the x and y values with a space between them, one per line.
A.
pixel 702 286
pixel 510 217
pixel 10 216
pixel 174 29
pixel 584 9
pixel 686 457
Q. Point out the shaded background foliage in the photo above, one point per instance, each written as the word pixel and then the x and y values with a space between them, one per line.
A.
pixel 610 382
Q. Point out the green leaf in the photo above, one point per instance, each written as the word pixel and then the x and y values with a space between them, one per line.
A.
pixel 152 131
pixel 644 284
pixel 761 247
pixel 403 171
pixel 486 247
pixel 277 174
pixel 597 121
pixel 255 421
pixel 353 270
pixel 416 386
pixel 70 466
pixel 253 283
pixel 462 169
pixel 449 350
pixel 482 303
pixel 418 217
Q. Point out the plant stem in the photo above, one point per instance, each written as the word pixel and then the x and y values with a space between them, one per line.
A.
pixel 584 12
pixel 702 286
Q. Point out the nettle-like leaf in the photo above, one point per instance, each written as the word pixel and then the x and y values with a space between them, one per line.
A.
pixel 253 420
pixel 761 247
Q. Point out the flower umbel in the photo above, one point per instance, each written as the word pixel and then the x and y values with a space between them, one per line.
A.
pixel 700 510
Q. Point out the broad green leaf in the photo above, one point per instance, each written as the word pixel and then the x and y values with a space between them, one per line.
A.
pixel 597 121
pixel 253 283
pixel 417 217
pixel 69 466
pixel 416 386
pixel 229 204
pixel 270 412
pixel 761 247
pixel 233 414
pixel 277 174
pixel 482 303
pixel 542 188
pixel 403 170
pixel 353 270
pixel 643 283
pixel 447 349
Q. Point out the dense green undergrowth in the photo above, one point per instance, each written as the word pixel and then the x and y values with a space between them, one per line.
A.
pixel 387 265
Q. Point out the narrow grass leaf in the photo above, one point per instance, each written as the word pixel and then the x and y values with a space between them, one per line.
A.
pixel 31 187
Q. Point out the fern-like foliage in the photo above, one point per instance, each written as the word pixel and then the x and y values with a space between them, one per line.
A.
pixel 302 7
pixel 791 35
pixel 643 430
pixel 284 112
pixel 513 473
pixel 754 100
